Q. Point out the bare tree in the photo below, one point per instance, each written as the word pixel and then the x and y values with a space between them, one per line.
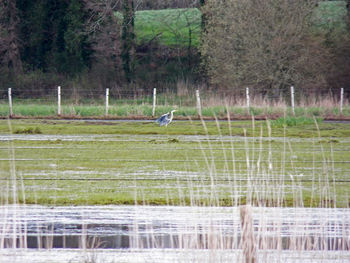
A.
pixel 104 28
pixel 9 47
pixel 128 39
pixel 266 44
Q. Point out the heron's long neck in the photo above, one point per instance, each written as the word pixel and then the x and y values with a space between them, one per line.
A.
pixel 171 115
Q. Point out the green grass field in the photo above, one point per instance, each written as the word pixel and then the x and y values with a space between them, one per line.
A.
pixel 172 27
pixel 61 162
pixel 330 18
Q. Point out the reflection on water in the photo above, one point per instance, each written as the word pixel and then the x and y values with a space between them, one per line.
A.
pixel 170 234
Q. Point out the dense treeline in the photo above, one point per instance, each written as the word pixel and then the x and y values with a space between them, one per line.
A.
pixel 87 44
pixel 91 44
pixel 52 36
pixel 47 37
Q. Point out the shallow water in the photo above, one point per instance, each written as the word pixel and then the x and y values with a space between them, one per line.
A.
pixel 169 234
pixel 179 216
pixel 147 138
pixel 154 221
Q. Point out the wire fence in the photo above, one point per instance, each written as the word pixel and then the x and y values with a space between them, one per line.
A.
pixel 58 97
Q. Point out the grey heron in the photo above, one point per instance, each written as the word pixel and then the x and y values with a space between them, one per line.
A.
pixel 166 118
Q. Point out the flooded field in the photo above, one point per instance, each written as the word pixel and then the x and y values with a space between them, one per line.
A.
pixel 177 234
pixel 109 194
pixel 181 169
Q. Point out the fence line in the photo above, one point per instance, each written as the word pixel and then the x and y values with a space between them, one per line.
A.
pixel 150 99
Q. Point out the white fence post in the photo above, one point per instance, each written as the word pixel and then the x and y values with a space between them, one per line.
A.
pixel 107 101
pixel 59 100
pixel 199 109
pixel 10 102
pixel 154 102
pixel 341 100
pixel 247 97
pixel 292 99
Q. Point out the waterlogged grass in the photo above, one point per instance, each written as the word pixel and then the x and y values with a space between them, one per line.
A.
pixel 294 121
pixel 139 162
pixel 178 128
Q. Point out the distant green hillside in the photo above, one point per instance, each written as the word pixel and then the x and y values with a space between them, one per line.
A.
pixel 172 27
pixel 330 17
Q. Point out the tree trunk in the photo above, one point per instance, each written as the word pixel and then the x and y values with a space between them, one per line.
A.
pixel 348 11
pixel 204 20
pixel 128 38
pixel 9 38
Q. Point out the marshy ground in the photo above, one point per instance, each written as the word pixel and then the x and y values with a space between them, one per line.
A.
pixel 187 163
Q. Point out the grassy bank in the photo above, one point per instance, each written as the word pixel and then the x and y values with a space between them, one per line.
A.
pixel 31 108
pixel 63 162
